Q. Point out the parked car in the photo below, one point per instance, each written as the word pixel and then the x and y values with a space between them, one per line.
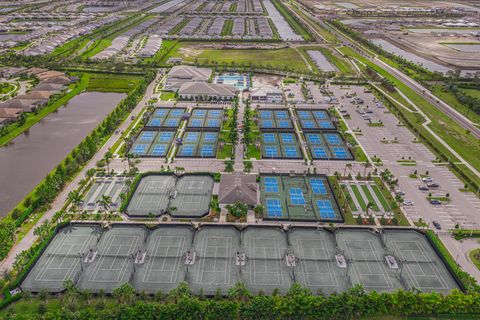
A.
pixel 437 225
pixel 423 188
pixel 408 203
pixel 427 179
pixel 435 202
pixel 433 185
pixel 399 193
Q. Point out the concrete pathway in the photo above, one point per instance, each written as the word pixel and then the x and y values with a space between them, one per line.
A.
pixel 239 148
pixel 58 203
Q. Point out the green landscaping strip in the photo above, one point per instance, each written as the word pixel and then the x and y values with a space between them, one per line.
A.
pixel 359 197
pixel 349 198
pixel 370 198
pixel 381 198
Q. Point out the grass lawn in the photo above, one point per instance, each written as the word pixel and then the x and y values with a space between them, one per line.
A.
pixel 359 197
pixel 472 92
pixel 225 152
pixel 449 98
pixel 6 87
pixel 105 82
pixel 347 195
pixel 370 198
pixel 167 96
pixel 381 198
pixel 281 59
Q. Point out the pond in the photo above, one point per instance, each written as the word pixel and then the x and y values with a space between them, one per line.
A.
pixel 31 156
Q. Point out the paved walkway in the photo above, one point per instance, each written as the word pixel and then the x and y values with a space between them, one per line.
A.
pixel 58 203
pixel 238 166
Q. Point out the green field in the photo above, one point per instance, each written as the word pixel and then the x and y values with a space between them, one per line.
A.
pixel 475 93
pixel 286 59
pixel 450 98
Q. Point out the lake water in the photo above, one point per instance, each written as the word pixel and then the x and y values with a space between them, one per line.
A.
pixel 30 157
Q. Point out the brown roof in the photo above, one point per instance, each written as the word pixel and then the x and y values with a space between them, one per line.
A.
pixel 36 95
pixel 50 74
pixel 25 105
pixel 59 80
pixel 35 70
pixel 45 86
pixel 10 113
pixel 238 187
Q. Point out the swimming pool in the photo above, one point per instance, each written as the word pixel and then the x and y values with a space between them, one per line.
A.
pixel 240 82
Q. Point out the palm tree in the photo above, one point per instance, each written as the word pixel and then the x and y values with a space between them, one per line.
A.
pixel 105 202
pixel 369 205
pixel 90 173
pixel 107 157
pixel 128 157
pixel 76 199
pixel 366 165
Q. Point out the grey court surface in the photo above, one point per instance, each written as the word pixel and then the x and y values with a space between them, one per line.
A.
pixel 111 187
pixel 185 196
pixel 215 257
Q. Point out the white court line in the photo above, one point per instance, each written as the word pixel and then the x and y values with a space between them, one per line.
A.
pixel 158 244
pixel 202 270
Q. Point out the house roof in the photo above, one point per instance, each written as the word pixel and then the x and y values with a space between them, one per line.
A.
pixel 49 74
pixel 238 187
pixel 205 88
pixel 25 105
pixel 45 86
pixel 35 70
pixel 36 95
pixel 59 80
pixel 10 113
pixel 188 72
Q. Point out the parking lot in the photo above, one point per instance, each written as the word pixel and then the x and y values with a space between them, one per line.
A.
pixel 390 143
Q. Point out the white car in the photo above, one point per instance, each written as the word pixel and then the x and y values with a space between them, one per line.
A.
pixel 408 203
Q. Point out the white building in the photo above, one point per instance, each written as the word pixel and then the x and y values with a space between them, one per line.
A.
pixel 266 94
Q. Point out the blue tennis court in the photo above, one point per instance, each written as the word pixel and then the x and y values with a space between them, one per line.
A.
pixel 271 185
pixel 159 150
pixel 274 119
pixel 267 124
pixel 210 137
pixel 160 113
pixel 199 113
pixel 341 153
pixel 147 136
pixel 281 114
pixel 265 114
pixel 287 138
pixel 308 124
pixel 198 145
pixel 304 114
pixel 318 187
pixel 191 137
pixel 172 123
pixel 314 138
pixel 319 153
pixel 165 136
pixel 213 123
pixel 207 150
pixel 333 139
pixel 197 123
pixel 296 196
pixel 274 208
pixel 176 112
pixel 291 152
pixel 140 149
pixel 269 138
pixel 186 150
pixel 155 122
pixel 271 151
pixel 320 114
pixel 325 125
pixel 326 210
